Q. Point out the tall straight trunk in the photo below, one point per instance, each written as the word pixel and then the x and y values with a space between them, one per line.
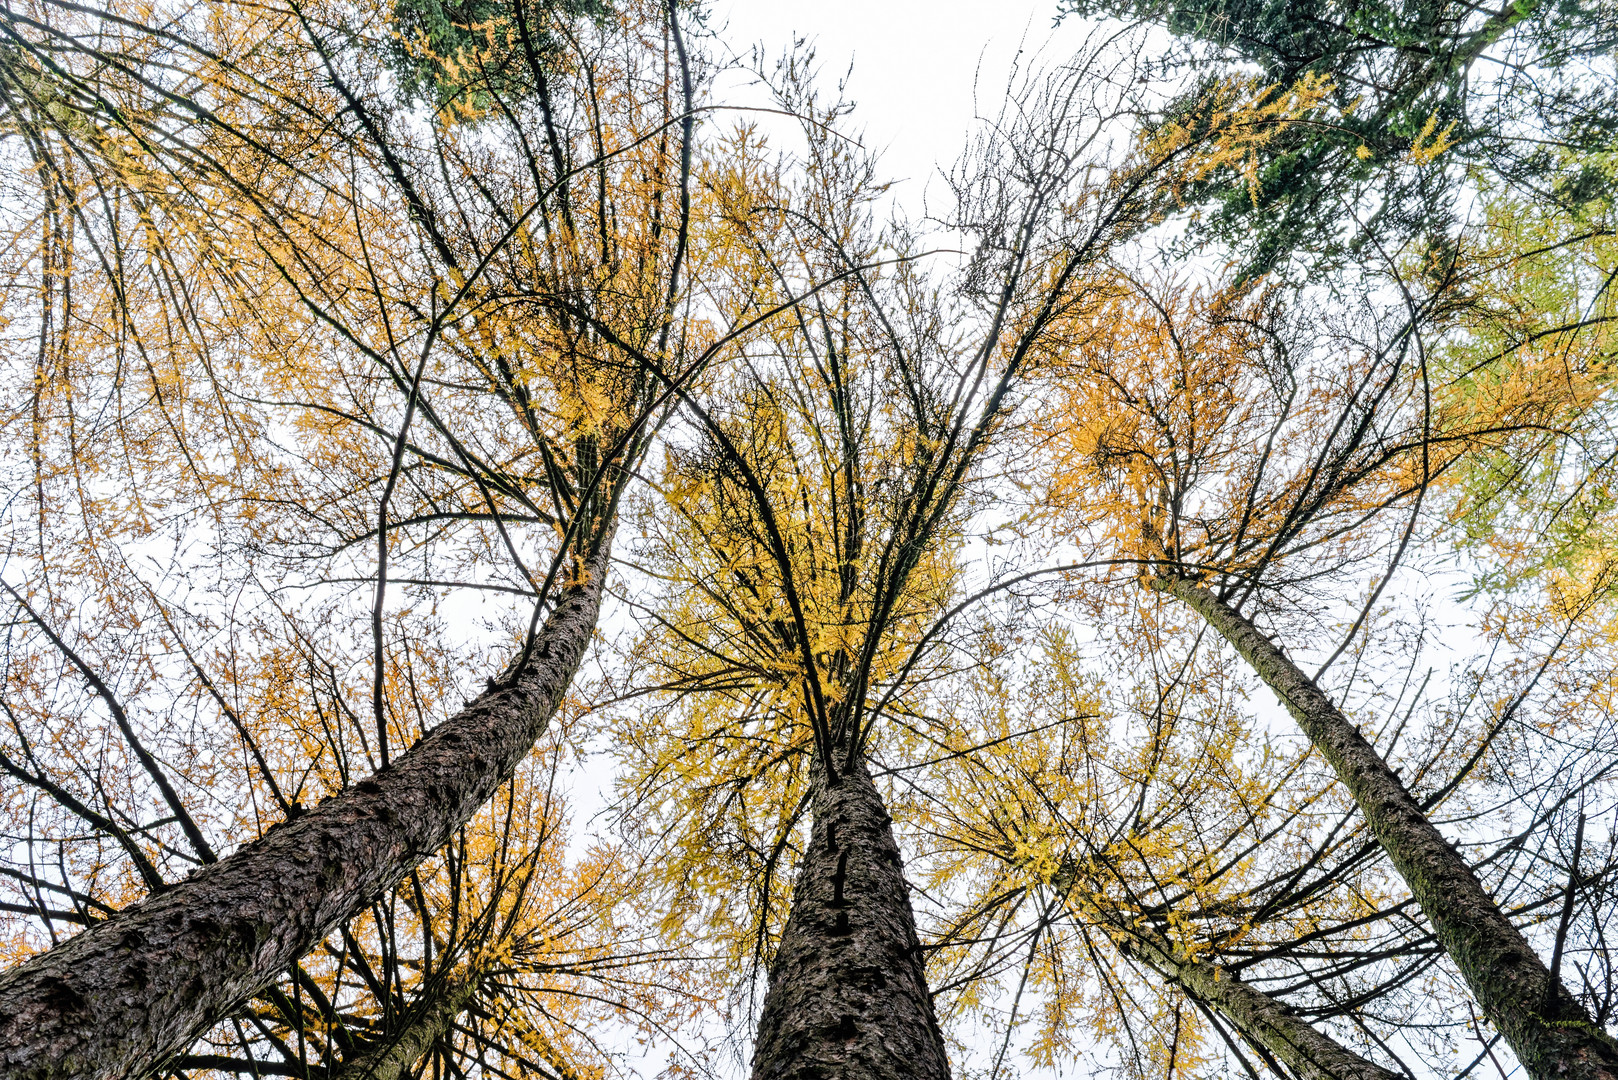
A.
pixel 119 998
pixel 1262 1020
pixel 848 995
pixel 1551 1034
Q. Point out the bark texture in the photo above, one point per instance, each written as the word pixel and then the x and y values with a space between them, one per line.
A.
pixel 119 998
pixel 432 1017
pixel 848 995
pixel 1264 1021
pixel 1551 1034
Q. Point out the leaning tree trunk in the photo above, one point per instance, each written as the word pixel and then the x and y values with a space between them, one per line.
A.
pixel 1265 1022
pixel 434 1016
pixel 848 996
pixel 429 1019
pixel 121 997
pixel 1551 1034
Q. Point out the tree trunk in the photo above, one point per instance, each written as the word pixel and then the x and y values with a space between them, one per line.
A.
pixel 1264 1021
pixel 1551 1034
pixel 121 997
pixel 848 995
pixel 429 1018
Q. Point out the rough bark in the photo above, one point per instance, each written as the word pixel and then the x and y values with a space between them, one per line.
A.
pixel 848 995
pixel 121 997
pixel 1264 1021
pixel 1551 1034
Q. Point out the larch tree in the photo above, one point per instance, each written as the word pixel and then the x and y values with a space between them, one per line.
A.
pixel 1263 482
pixel 1252 473
pixel 1134 857
pixel 308 338
pixel 808 531
pixel 338 341
pixel 497 953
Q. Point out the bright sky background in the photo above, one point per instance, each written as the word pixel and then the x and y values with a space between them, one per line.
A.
pixel 915 65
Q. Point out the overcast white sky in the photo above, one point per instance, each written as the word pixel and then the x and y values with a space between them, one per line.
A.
pixel 914 63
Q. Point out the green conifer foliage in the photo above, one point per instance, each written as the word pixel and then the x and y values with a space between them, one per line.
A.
pixel 1426 92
